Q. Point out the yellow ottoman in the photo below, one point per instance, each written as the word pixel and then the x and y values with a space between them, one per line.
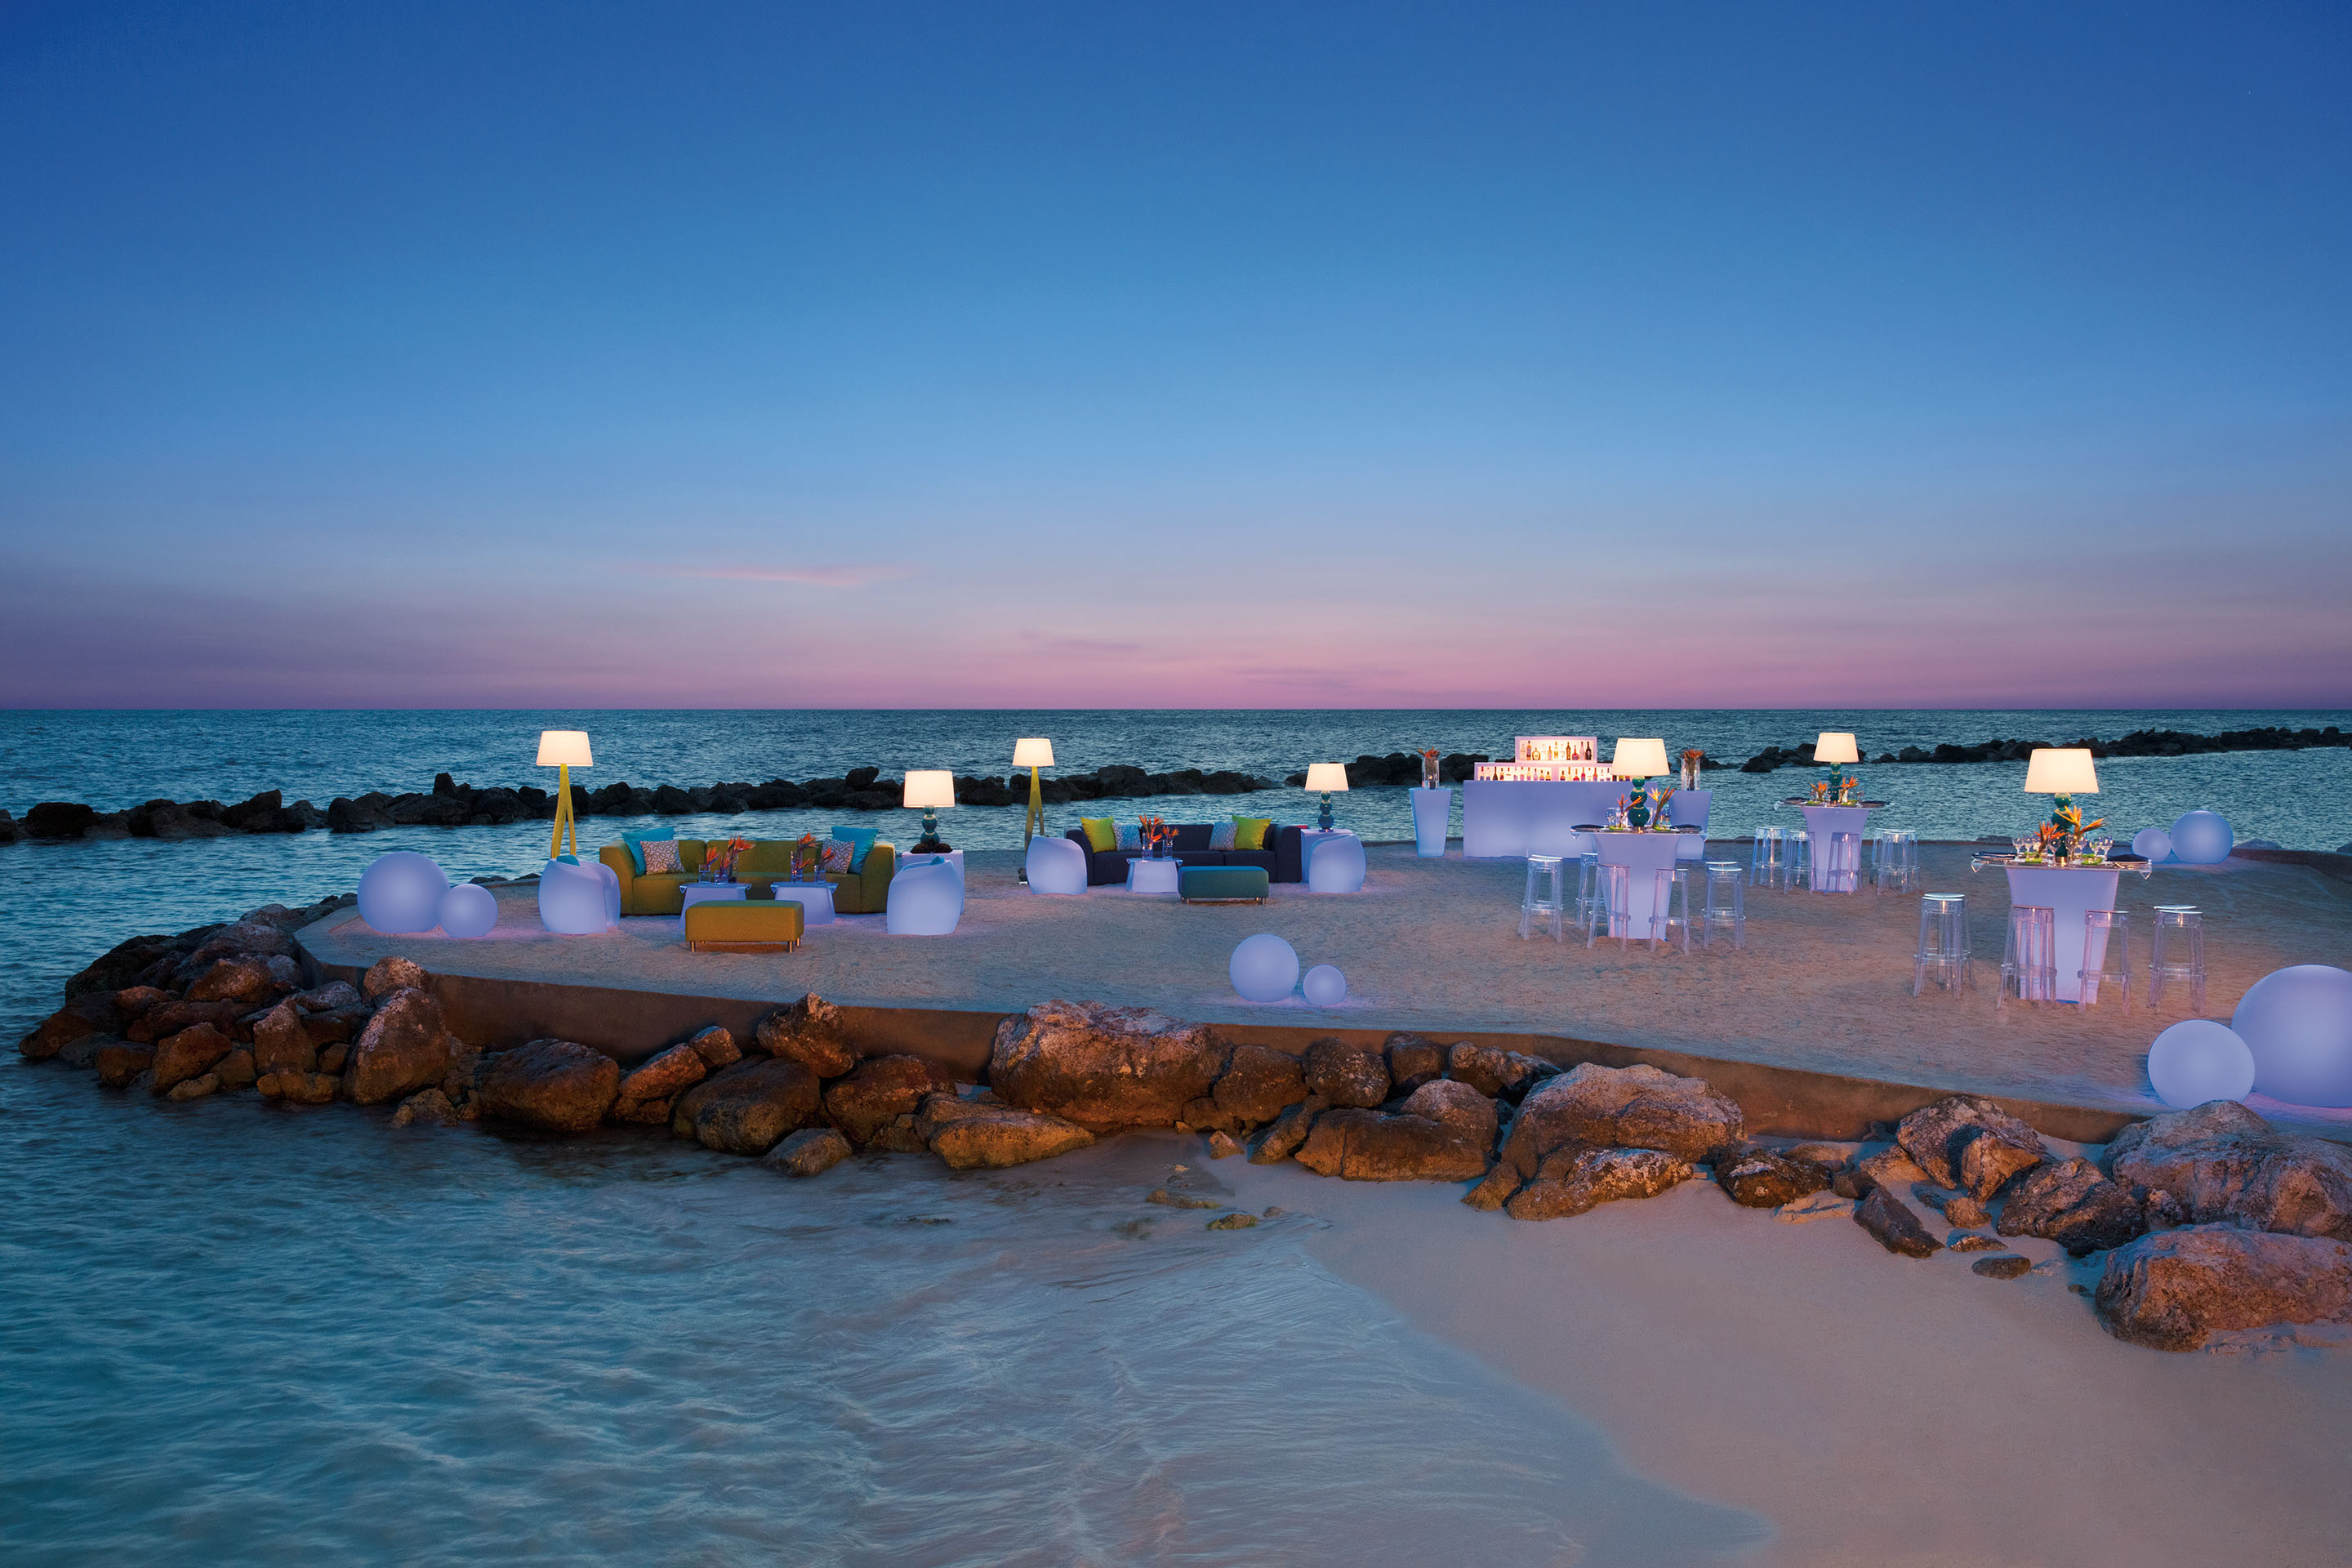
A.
pixel 742 925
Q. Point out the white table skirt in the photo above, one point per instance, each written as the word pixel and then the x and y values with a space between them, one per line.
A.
pixel 1645 854
pixel 1502 818
pixel 1821 821
pixel 2068 892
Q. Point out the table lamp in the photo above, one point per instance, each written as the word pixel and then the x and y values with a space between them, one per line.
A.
pixel 929 788
pixel 1836 746
pixel 1033 754
pixel 1326 779
pixel 1638 759
pixel 2062 772
pixel 564 750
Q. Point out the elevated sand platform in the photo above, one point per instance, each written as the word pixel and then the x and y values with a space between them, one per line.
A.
pixel 1813 1027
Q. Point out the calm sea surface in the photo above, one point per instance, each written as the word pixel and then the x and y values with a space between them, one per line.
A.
pixel 235 1333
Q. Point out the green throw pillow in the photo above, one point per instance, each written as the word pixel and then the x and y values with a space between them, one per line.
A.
pixel 1102 833
pixel 1249 832
pixel 860 840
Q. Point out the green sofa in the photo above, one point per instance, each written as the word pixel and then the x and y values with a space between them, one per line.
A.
pixel 766 863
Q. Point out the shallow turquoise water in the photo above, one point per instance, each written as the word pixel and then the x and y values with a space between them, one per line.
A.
pixel 234 1332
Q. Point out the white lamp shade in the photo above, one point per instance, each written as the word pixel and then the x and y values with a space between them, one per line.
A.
pixel 1836 746
pixel 1327 778
pixel 564 748
pixel 930 787
pixel 1638 759
pixel 2061 769
pixel 1032 753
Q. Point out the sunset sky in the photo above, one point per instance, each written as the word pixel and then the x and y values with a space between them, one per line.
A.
pixel 1180 355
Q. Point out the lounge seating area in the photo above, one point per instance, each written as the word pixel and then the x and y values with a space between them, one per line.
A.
pixel 1278 854
pixel 863 892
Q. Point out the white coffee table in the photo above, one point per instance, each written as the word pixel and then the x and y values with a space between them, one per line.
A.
pixel 815 899
pixel 1149 875
pixel 694 893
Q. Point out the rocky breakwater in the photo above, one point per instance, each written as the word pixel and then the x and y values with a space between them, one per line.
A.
pixel 2137 743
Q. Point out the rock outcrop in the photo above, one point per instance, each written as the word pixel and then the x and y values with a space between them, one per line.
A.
pixel 1360 1145
pixel 1257 1085
pixel 993 1136
pixel 2221 1162
pixel 1967 1142
pixel 811 1151
pixel 95 1014
pixel 404 1049
pixel 1281 1141
pixel 1413 1060
pixel 187 1055
pixel 556 1086
pixel 1455 1105
pixel 2172 1290
pixel 1572 1179
pixel 661 1076
pixel 1497 1074
pixel 2070 1203
pixel 281 1043
pixel 1760 1178
pixel 812 1031
pixel 1892 1221
pixel 876 1093
pixel 387 975
pixel 1103 1067
pixel 1621 1107
pixel 749 1107
pixel 1349 1076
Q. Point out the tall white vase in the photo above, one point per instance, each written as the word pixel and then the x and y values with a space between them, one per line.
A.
pixel 1432 808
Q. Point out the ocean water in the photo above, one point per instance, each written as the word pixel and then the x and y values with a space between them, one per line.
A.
pixel 234 1332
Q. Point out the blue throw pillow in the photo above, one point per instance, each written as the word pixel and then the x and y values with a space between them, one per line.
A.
pixel 636 836
pixel 860 840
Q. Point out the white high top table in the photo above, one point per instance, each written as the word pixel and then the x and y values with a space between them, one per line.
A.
pixel 1645 854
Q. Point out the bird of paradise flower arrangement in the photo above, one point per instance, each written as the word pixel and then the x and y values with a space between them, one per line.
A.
pixel 2067 826
pixel 719 862
pixel 1155 829
pixel 1429 767
pixel 807 856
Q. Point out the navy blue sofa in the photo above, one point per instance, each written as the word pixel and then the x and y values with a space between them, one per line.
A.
pixel 1279 863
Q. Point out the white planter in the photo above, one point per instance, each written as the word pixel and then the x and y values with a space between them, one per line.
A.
pixel 1431 810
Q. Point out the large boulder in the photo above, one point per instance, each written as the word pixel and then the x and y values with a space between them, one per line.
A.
pixel 879 1091
pixel 1362 1145
pixel 1281 1141
pixel 812 1031
pixel 2171 1289
pixel 1574 1179
pixel 2222 1163
pixel 280 1043
pixel 386 975
pixel 404 1049
pixel 1349 1076
pixel 1495 1073
pixel 1455 1105
pixel 717 1047
pixel 666 1074
pixel 187 1055
pixel 1259 1084
pixel 297 1088
pixel 1413 1060
pixel 994 1135
pixel 748 1108
pixel 232 980
pixel 1966 1142
pixel 1895 1224
pixel 120 1066
pixel 1638 1107
pixel 2070 1203
pixel 328 998
pixel 1102 1067
pixel 557 1086
pixel 170 1018
pixel 809 1151
pixel 95 1013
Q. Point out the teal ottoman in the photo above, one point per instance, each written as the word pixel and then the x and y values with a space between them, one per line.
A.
pixel 1222 884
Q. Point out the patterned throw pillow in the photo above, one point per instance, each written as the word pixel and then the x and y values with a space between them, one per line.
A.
pixel 836 856
pixel 661 857
pixel 1131 836
pixel 1221 835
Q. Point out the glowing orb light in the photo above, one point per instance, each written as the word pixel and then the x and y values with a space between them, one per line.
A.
pixel 2202 839
pixel 2152 844
pixel 1265 968
pixel 2198 1060
pixel 402 892
pixel 1325 986
pixel 2298 1024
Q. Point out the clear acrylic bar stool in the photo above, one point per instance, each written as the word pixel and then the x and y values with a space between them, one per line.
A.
pixel 2107 933
pixel 2177 952
pixel 1799 863
pixel 1767 862
pixel 1674 890
pixel 1530 905
pixel 2029 958
pixel 1613 911
pixel 1838 863
pixel 1943 943
pixel 1587 882
pixel 1726 907
pixel 1894 862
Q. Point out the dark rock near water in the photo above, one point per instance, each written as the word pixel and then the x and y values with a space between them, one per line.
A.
pixel 1101 1066
pixel 404 1049
pixel 749 1107
pixel 1455 1105
pixel 994 1136
pixel 1256 1086
pixel 186 1055
pixel 1281 1141
pixel 812 1031
pixel 1413 1060
pixel 1973 1244
pixel 1349 1076
pixel 2221 1162
pixel 191 1088
pixel 2172 1289
pixel 95 1013
pixel 426 1107
pixel 1573 1180
pixel 2071 1203
pixel 1362 1145
pixel 1890 1219
pixel 557 1086
pixel 119 1065
pixel 661 1076
pixel 2002 1265
pixel 387 975
pixel 297 1087
pixel 811 1151
pixel 1621 1107
pixel 59 819
pixel 1760 1178
pixel 1494 1191
pixel 231 980
pixel 878 1092
pixel 333 996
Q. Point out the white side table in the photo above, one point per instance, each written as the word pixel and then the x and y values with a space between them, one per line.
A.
pixel 1148 876
pixel 693 893
pixel 1309 837
pixel 952 857
pixel 815 899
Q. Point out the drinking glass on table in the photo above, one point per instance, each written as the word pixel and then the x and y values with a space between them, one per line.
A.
pixel 2095 850
pixel 2027 849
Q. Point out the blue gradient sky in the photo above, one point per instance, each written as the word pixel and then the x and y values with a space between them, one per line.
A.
pixel 1188 355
